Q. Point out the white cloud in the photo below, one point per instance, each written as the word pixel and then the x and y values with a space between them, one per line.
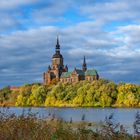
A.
pixel 112 10
pixel 11 4
pixel 123 52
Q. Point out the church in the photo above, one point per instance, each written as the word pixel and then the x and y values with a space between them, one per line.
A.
pixel 59 72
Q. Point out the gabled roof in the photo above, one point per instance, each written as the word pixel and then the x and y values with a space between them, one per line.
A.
pixel 80 72
pixel 91 73
pixel 65 74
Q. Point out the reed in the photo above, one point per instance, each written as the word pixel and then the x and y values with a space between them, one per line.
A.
pixel 31 127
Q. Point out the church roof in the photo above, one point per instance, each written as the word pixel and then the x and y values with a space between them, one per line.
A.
pixel 80 72
pixel 91 73
pixel 65 74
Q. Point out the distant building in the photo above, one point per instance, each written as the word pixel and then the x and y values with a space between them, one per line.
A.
pixel 59 72
pixel 14 88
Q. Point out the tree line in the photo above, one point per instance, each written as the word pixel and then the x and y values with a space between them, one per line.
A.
pixel 99 93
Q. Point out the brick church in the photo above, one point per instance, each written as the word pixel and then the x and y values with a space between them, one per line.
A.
pixel 57 70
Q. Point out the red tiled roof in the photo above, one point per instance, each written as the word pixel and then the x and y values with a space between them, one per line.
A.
pixel 14 88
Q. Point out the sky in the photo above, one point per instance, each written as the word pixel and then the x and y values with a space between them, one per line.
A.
pixel 107 32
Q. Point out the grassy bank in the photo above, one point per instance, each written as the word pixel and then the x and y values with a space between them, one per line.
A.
pixel 30 127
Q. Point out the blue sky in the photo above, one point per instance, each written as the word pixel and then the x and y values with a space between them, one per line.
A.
pixel 105 31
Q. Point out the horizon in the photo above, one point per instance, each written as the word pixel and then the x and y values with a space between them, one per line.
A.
pixel 106 32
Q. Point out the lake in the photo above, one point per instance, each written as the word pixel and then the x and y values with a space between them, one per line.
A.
pixel 124 116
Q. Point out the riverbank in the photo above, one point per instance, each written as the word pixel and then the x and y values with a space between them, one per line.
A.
pixel 124 116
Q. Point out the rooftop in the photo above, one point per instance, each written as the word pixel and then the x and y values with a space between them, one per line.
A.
pixel 65 74
pixel 91 73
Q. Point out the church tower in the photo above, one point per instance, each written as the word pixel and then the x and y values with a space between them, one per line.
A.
pixel 57 59
pixel 84 66
pixel 57 66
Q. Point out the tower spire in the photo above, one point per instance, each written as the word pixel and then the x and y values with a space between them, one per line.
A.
pixel 84 67
pixel 84 60
pixel 57 48
pixel 57 40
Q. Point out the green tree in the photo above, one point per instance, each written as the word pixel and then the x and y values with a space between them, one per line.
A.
pixel 4 94
pixel 38 96
pixel 81 95
pixel 24 94
pixel 128 95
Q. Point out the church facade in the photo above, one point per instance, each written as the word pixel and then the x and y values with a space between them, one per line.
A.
pixel 58 71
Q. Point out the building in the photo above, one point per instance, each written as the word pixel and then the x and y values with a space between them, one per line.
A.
pixel 14 88
pixel 57 70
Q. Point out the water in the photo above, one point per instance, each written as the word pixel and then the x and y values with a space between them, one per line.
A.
pixel 124 116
